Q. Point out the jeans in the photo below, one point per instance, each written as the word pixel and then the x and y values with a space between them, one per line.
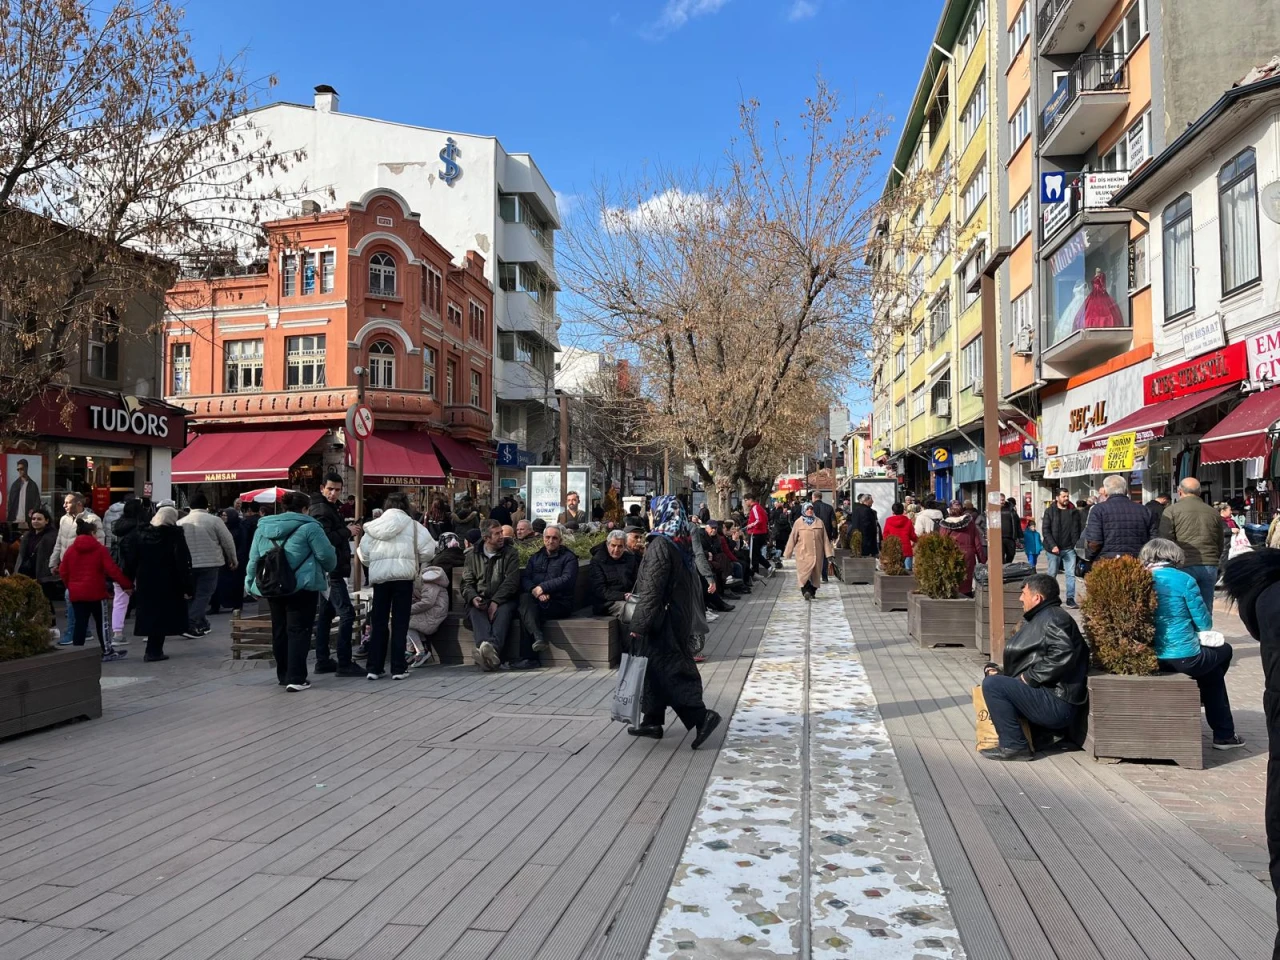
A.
pixel 71 614
pixel 1009 700
pixel 494 632
pixel 1209 670
pixel 1066 560
pixel 391 601
pixel 338 604
pixel 206 581
pixel 1206 577
pixel 291 620
pixel 906 562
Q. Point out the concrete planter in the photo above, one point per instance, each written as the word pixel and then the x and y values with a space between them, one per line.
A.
pixel 1154 717
pixel 49 688
pixel 856 569
pixel 937 623
pixel 1012 614
pixel 891 592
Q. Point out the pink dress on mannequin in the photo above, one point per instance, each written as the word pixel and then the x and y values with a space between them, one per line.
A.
pixel 1099 308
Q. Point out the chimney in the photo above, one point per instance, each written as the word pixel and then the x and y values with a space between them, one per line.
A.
pixel 310 208
pixel 326 99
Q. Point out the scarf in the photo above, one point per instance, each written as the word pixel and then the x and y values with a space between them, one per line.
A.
pixel 807 516
pixel 669 522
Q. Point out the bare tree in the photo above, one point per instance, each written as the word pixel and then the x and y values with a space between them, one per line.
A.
pixel 747 295
pixel 607 418
pixel 119 159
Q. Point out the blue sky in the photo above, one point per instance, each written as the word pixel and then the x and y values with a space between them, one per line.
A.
pixel 591 88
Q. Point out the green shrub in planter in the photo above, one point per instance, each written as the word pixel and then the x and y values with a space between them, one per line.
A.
pixel 24 618
pixel 1119 616
pixel 855 543
pixel 891 560
pixel 581 546
pixel 938 566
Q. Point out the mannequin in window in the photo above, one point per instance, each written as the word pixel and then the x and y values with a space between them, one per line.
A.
pixel 1071 312
pixel 1099 308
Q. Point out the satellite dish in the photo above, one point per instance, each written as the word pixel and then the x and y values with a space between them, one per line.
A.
pixel 1271 201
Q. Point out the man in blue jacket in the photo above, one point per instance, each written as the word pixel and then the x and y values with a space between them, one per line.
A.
pixel 546 593
pixel 1118 526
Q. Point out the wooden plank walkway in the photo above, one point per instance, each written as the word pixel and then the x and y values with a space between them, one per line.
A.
pixel 1059 858
pixel 453 815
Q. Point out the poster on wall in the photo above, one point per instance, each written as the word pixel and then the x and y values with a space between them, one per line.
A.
pixel 544 490
pixel 22 494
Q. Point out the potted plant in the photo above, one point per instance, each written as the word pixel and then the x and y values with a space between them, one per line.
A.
pixel 936 613
pixel 39 683
pixel 893 581
pixel 855 568
pixel 1135 712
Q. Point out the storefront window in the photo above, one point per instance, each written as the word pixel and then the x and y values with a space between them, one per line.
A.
pixel 1087 279
pixel 101 479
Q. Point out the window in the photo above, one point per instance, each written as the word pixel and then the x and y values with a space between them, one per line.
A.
pixel 1021 29
pixel 289 276
pixel 507 347
pixel 971 363
pixel 475 320
pixel 308 273
pixel 969 35
pixel 382 365
pixel 432 288
pixel 917 340
pixel 1179 260
pixel 304 362
pixel 1020 125
pixel 180 367
pixel 972 271
pixel 1086 282
pixel 900 362
pixel 944 176
pixel 918 401
pixel 475 389
pixel 941 395
pixel 1020 219
pixel 974 111
pixel 243 362
pixel 942 242
pixel 429 371
pixel 450 376
pixel 455 314
pixel 382 275
pixel 1238 221
pixel 328 262
pixel 524 350
pixel 1138 277
pixel 975 191
pixel 900 413
pixel 940 316
pixel 104 348
pixel 1129 32
pixel 1020 323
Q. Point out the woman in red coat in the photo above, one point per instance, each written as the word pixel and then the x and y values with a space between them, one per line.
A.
pixel 961 528
pixel 899 525
pixel 85 569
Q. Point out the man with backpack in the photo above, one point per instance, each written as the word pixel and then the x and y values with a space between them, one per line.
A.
pixel 289 565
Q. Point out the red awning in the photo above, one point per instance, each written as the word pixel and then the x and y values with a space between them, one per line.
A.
pixel 242 457
pixel 462 459
pixel 402 458
pixel 1151 421
pixel 1242 434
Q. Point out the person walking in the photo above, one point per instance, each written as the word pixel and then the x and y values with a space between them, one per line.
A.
pixel 211 549
pixel 311 557
pixel 1060 528
pixel 1198 530
pixel 34 551
pixel 395 547
pixel 899 526
pixel 1010 530
pixel 85 569
pixel 1117 526
pixel 811 547
pixel 133 516
pixel 929 518
pixel 758 534
pixel 229 593
pixel 324 508
pixel 74 510
pixel 490 591
pixel 1031 544
pixel 661 625
pixel 864 521
pixel 156 558
pixel 959 526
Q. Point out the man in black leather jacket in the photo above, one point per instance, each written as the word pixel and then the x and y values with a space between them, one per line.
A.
pixel 1044 679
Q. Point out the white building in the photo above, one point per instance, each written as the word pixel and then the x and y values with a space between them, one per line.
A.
pixel 471 194
pixel 576 368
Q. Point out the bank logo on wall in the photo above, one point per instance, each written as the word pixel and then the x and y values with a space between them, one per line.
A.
pixel 452 170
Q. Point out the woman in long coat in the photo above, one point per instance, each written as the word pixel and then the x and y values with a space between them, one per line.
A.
pixel 812 549
pixel 661 628
pixel 961 528
pixel 156 559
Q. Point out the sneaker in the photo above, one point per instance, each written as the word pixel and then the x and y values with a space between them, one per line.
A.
pixel 374 676
pixel 193 634
pixel 400 676
pixel 1231 743
pixel 297 687
pixel 327 666
pixel 118 640
pixel 114 655
pixel 148 658
pixel 1071 602
pixel 66 641
pixel 525 664
pixel 349 670
pixel 712 617
pixel 540 644
pixel 731 581
pixel 478 658
pixel 489 656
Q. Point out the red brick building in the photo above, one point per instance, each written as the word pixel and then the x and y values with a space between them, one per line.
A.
pixel 265 360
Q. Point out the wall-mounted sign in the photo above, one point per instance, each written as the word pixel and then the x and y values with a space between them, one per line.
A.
pixel 1201 336
pixel 1087 418
pixel 1263 350
pixel 1012 441
pixel 940 458
pixel 452 171
pixel 1101 186
pixel 1053 187
pixel 968 455
pixel 135 422
pixel 1119 455
pixel 1217 369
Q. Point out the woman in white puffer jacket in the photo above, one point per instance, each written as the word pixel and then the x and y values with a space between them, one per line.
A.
pixel 394 546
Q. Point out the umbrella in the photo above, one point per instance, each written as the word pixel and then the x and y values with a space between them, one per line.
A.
pixel 265 495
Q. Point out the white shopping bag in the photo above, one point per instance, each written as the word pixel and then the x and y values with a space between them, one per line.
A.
pixel 629 690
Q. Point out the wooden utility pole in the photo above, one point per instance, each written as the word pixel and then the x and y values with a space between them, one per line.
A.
pixel 991 435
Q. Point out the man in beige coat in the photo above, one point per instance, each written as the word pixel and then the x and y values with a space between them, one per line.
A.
pixel 812 549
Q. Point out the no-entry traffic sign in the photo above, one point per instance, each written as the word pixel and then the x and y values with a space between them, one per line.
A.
pixel 359 422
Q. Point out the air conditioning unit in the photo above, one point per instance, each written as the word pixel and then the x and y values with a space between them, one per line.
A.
pixel 1022 341
pixel 942 408
pixel 976 386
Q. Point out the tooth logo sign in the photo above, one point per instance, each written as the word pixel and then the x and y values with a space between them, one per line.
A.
pixel 1052 187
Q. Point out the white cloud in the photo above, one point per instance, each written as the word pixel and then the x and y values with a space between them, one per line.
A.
pixel 802 10
pixel 679 12
pixel 658 213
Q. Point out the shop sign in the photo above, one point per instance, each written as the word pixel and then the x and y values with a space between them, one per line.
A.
pixel 965 456
pixel 1119 454
pixel 1029 452
pixel 1263 350
pixel 222 477
pixel 1080 464
pixel 1201 336
pixel 940 458
pixel 386 481
pixel 117 420
pixel 1011 440
pixel 1100 187
pixel 1220 368
pixel 1054 217
pixel 1087 418
pixel 136 421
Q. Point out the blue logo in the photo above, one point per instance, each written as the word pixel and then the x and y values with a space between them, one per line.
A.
pixel 1053 187
pixel 449 155
pixel 508 454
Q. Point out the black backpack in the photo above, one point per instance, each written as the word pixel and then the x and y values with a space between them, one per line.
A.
pixel 274 576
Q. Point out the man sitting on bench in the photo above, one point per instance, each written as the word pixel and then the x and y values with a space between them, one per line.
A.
pixel 1045 668
pixel 546 593
pixel 613 575
pixel 490 584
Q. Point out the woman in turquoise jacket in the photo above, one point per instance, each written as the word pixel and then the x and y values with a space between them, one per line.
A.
pixel 310 555
pixel 1180 617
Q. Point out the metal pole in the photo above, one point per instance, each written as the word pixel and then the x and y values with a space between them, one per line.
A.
pixel 666 471
pixel 564 450
pixel 991 437
pixel 357 569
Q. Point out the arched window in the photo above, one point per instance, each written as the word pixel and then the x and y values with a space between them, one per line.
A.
pixel 382 275
pixel 382 365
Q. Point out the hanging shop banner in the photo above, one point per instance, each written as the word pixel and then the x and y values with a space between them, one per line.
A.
pixel 1119 455
pixel 1012 442
pixel 1082 464
pixel 1220 368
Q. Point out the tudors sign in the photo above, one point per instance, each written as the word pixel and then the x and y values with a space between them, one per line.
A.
pixel 95 416
pixel 1220 368
pixel 118 420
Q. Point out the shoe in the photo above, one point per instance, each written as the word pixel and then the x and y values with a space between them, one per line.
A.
pixel 726 607
pixel 540 644
pixel 298 687
pixel 66 641
pixel 236 614
pixel 477 657
pixel 489 656
pixel 349 670
pixel 205 631
pixel 699 658
pixel 1231 743
pixel 118 640
pixel 1006 753
pixel 1071 602
pixel 374 676
pixel 148 658
pixel 327 666
pixel 111 655
pixel 192 634
pixel 706 728
pixel 400 676
pixel 529 664
pixel 731 581
pixel 651 730
pixel 712 617
pixel 361 651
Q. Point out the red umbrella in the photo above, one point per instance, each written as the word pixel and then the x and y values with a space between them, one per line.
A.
pixel 265 495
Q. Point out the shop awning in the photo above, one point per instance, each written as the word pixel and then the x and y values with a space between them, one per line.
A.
pixel 462 459
pixel 1242 434
pixel 1151 421
pixel 243 456
pixel 403 458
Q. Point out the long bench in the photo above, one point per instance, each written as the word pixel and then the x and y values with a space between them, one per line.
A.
pixel 581 640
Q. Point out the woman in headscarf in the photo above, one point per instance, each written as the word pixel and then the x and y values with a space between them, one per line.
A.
pixel 155 557
pixel 812 548
pixel 661 627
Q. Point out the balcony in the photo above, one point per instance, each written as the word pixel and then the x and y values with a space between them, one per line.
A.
pixel 468 422
pixel 1067 26
pixel 520 244
pixel 1091 97
pixel 319 403
pixel 1085 285
pixel 524 312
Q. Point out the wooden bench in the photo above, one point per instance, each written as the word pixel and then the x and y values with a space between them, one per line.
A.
pixel 251 636
pixel 581 640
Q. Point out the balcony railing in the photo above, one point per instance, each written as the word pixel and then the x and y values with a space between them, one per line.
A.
pixel 1048 13
pixel 466 415
pixel 1092 73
